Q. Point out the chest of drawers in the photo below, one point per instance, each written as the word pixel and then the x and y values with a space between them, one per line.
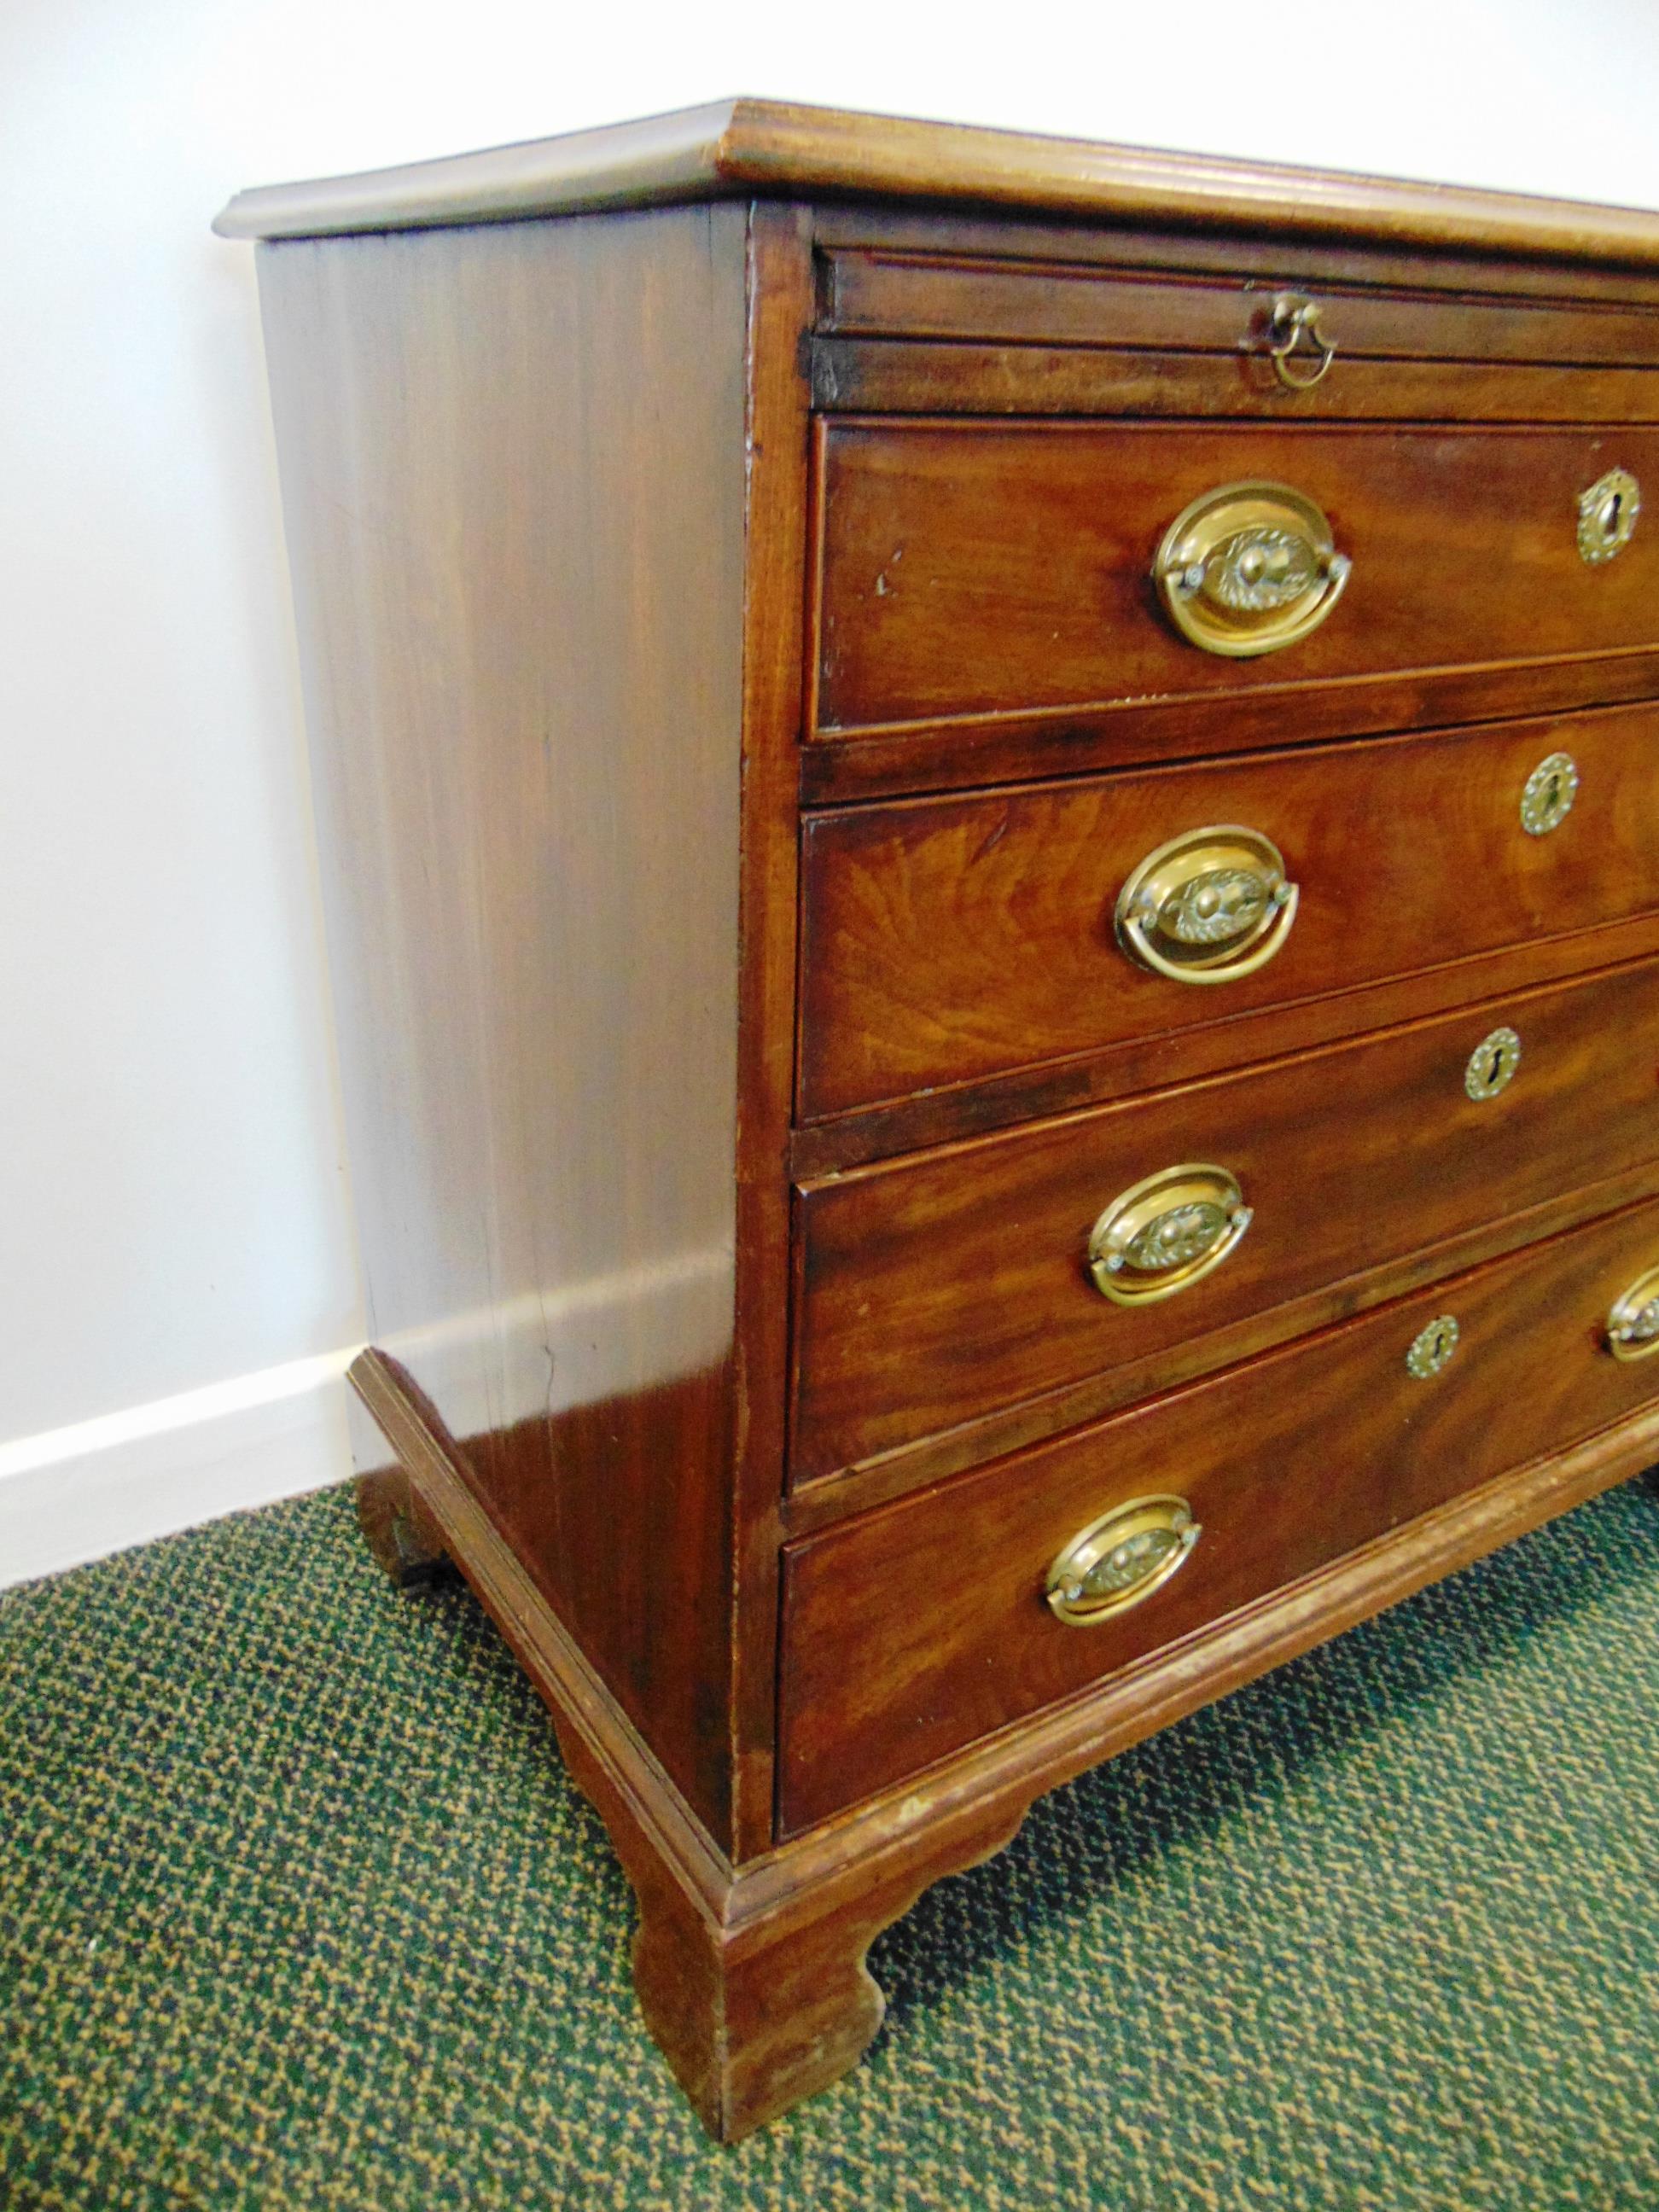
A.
pixel 989 815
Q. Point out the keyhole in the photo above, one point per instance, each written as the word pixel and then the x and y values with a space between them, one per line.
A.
pixel 1610 515
pixel 1491 1065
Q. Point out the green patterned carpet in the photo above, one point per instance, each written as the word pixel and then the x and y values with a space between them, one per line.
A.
pixel 297 1909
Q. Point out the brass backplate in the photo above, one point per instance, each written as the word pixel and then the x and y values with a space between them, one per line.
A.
pixel 1165 1233
pixel 1250 569
pixel 1209 907
pixel 1120 1559
pixel 1634 1323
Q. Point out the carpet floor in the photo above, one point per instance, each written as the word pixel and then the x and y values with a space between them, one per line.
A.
pixel 297 1909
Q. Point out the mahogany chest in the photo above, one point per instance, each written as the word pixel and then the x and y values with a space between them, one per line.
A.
pixel 989 812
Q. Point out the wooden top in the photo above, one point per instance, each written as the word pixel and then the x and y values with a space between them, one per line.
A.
pixel 766 147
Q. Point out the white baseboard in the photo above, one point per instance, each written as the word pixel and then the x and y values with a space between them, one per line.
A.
pixel 78 1493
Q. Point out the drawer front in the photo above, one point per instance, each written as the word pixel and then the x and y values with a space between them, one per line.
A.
pixel 919 1628
pixel 995 376
pixel 883 292
pixel 968 568
pixel 948 940
pixel 939 1289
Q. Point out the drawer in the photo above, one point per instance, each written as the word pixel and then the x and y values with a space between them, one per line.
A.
pixel 948 939
pixel 910 330
pixel 935 1290
pixel 916 1630
pixel 876 291
pixel 968 568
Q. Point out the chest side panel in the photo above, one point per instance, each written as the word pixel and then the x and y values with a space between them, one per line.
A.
pixel 513 470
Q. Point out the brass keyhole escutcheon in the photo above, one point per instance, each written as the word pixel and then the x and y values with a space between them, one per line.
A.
pixel 1492 1064
pixel 1209 907
pixel 1432 1347
pixel 1606 516
pixel 1547 797
pixel 1633 1322
pixel 1120 1559
pixel 1250 569
pixel 1165 1233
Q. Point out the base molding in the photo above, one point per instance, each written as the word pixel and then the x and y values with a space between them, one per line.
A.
pixel 79 1493
pixel 752 1978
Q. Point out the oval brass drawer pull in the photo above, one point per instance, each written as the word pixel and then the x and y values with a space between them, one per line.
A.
pixel 1296 318
pixel 1606 516
pixel 1209 907
pixel 1250 569
pixel 1633 1322
pixel 1165 1233
pixel 1120 1560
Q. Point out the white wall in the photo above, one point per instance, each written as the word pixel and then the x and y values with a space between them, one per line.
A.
pixel 173 1198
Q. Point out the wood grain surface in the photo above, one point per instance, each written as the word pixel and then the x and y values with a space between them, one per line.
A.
pixel 909 376
pixel 1051 1087
pixel 967 567
pixel 948 940
pixel 872 293
pixel 775 440
pixel 914 1630
pixel 934 1289
pixel 1260 254
pixel 513 473
pixel 798 151
pixel 962 752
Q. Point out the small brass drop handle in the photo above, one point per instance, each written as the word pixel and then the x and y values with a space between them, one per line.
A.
pixel 1250 569
pixel 1120 1559
pixel 1633 1321
pixel 1165 1233
pixel 1210 905
pixel 1294 319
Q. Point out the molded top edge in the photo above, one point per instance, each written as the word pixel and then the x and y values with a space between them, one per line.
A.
pixel 771 147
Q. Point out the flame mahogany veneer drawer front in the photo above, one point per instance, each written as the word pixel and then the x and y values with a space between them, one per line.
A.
pixel 948 940
pixel 938 1289
pixel 971 568
pixel 914 1630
